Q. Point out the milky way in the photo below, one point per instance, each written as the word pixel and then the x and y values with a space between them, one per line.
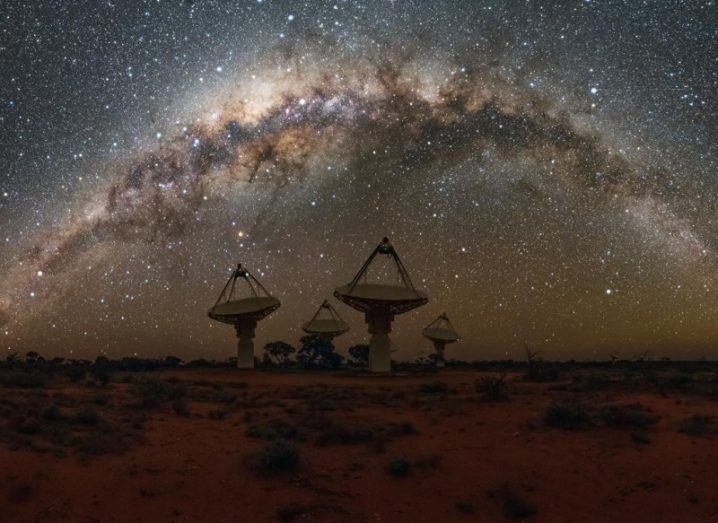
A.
pixel 506 162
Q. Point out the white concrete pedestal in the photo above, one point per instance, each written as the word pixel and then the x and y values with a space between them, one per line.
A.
pixel 379 343
pixel 439 348
pixel 245 344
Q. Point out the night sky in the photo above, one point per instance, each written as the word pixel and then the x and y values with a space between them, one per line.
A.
pixel 548 172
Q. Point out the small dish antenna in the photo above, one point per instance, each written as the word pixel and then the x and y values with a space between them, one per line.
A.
pixel 243 309
pixel 326 322
pixel 441 332
pixel 380 302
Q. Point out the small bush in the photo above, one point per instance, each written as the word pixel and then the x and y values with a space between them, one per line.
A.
pixel 634 415
pixel 23 380
pixel 516 508
pixel 19 492
pixel 217 414
pixel 101 399
pixel 291 511
pixel 492 389
pixel 104 442
pixel 75 373
pixel 278 456
pixel 342 434
pixel 398 467
pixel 103 377
pixel 29 425
pixel 699 426
pixel 639 437
pixel 180 407
pixel 432 462
pixel 273 429
pixel 435 387
pixel 154 392
pixel 403 428
pixel 540 372
pixel 51 413
pixel 566 416
pixel 87 415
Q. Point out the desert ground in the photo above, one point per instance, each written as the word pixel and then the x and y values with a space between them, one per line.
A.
pixel 221 445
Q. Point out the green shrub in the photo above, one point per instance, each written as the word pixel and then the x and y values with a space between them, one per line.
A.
pixel 104 441
pixel 699 426
pixel 87 415
pixel 516 508
pixel 492 389
pixel 403 428
pixel 275 428
pixel 432 461
pixel 540 372
pixel 291 511
pixel 29 425
pixel 567 416
pixel 278 456
pixel 101 399
pixel 344 434
pixel 51 413
pixel 634 415
pixel 398 467
pixel 154 392
pixel 217 414
pixel 639 437
pixel 180 407
pixel 19 492
pixel 435 387
pixel 75 372
pixel 103 376
pixel 23 380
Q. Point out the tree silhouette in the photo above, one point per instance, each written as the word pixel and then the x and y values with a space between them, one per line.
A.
pixel 360 353
pixel 318 352
pixel 101 370
pixel 278 352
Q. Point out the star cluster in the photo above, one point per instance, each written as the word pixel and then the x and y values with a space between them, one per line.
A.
pixel 546 171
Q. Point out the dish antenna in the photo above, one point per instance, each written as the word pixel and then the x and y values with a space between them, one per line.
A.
pixel 380 303
pixel 243 312
pixel 326 322
pixel 441 332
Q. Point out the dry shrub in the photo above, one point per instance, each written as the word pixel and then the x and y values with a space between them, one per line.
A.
pixel 492 389
pixel 634 415
pixel 277 457
pixel 567 416
pixel 699 426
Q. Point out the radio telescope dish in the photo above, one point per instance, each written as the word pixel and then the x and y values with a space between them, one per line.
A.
pixel 326 322
pixel 243 309
pixel 380 302
pixel 441 332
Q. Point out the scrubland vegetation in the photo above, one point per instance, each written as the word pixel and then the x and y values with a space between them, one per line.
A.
pixel 315 429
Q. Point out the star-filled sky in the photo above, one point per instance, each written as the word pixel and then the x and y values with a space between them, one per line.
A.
pixel 546 170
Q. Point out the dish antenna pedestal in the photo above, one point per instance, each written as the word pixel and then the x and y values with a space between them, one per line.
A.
pixel 380 303
pixel 441 333
pixel 379 324
pixel 245 343
pixel 243 312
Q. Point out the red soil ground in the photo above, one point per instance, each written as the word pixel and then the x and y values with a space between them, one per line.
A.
pixel 194 468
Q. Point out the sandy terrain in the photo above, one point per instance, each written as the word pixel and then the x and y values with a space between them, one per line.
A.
pixel 188 453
